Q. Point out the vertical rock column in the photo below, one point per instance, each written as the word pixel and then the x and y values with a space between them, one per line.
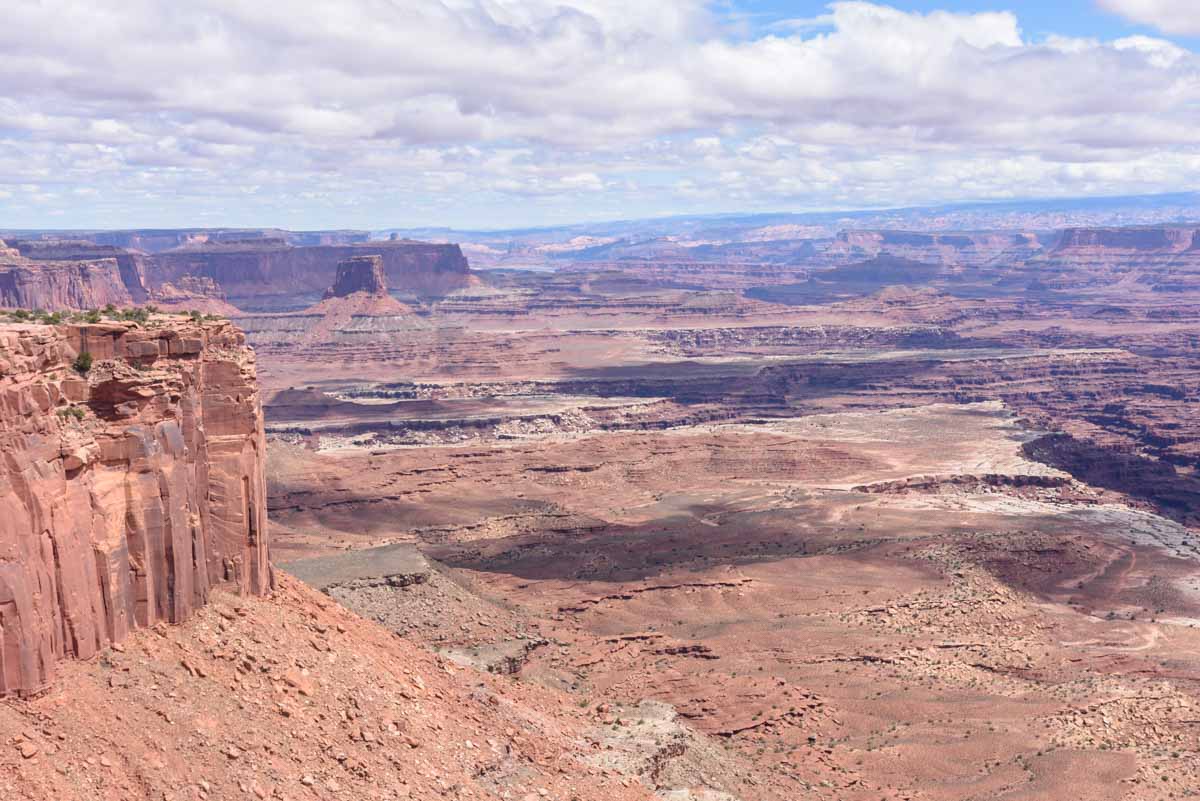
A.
pixel 127 495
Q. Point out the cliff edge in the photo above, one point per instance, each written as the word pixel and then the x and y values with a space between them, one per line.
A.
pixel 132 484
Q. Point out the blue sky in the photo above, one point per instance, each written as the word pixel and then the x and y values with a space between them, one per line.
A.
pixel 1038 19
pixel 506 113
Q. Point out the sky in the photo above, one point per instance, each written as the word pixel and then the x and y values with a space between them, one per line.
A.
pixel 507 113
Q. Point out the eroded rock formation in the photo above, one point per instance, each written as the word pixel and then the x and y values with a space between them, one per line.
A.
pixel 213 271
pixel 358 274
pixel 255 271
pixel 946 248
pixel 59 285
pixel 129 489
pixel 193 293
pixel 75 250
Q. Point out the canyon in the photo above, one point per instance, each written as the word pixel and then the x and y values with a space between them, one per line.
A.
pixel 733 511
pixel 213 273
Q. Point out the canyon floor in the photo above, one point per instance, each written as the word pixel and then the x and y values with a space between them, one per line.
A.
pixel 900 545
pixel 889 529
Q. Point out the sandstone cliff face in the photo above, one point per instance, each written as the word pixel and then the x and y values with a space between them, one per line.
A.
pixel 358 274
pixel 963 249
pixel 129 264
pixel 61 285
pixel 1130 239
pixel 1164 260
pixel 128 493
pixel 193 293
pixel 250 271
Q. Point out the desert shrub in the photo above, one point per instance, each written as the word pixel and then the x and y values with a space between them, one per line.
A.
pixel 72 412
pixel 83 363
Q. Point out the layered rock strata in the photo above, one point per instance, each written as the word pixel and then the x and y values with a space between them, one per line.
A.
pixel 250 271
pixel 129 263
pixel 973 248
pixel 61 285
pixel 130 489
pixel 358 274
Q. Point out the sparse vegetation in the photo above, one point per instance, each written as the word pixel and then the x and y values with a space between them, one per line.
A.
pixel 71 412
pixel 138 314
pixel 35 316
pixel 83 363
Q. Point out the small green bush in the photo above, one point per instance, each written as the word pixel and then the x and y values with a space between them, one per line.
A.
pixel 83 363
pixel 73 412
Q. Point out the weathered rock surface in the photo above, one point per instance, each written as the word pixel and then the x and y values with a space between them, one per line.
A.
pixel 1163 260
pixel 129 492
pixel 59 285
pixel 214 271
pixel 358 274
pixel 129 263
pixel 948 248
pixel 193 293
pixel 256 269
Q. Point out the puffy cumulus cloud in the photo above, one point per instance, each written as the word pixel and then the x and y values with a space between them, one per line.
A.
pixel 391 112
pixel 1169 16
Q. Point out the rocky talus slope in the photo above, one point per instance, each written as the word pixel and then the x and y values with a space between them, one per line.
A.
pixel 130 488
pixel 133 497
pixel 290 696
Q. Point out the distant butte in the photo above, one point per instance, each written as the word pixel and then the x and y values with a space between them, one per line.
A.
pixel 358 274
pixel 359 290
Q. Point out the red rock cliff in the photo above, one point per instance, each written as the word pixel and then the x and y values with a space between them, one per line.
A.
pixel 1163 260
pixel 61 285
pixel 127 493
pixel 949 248
pixel 55 250
pixel 1160 238
pixel 358 274
pixel 267 267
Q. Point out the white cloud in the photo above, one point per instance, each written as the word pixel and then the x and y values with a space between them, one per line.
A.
pixel 459 106
pixel 1170 16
